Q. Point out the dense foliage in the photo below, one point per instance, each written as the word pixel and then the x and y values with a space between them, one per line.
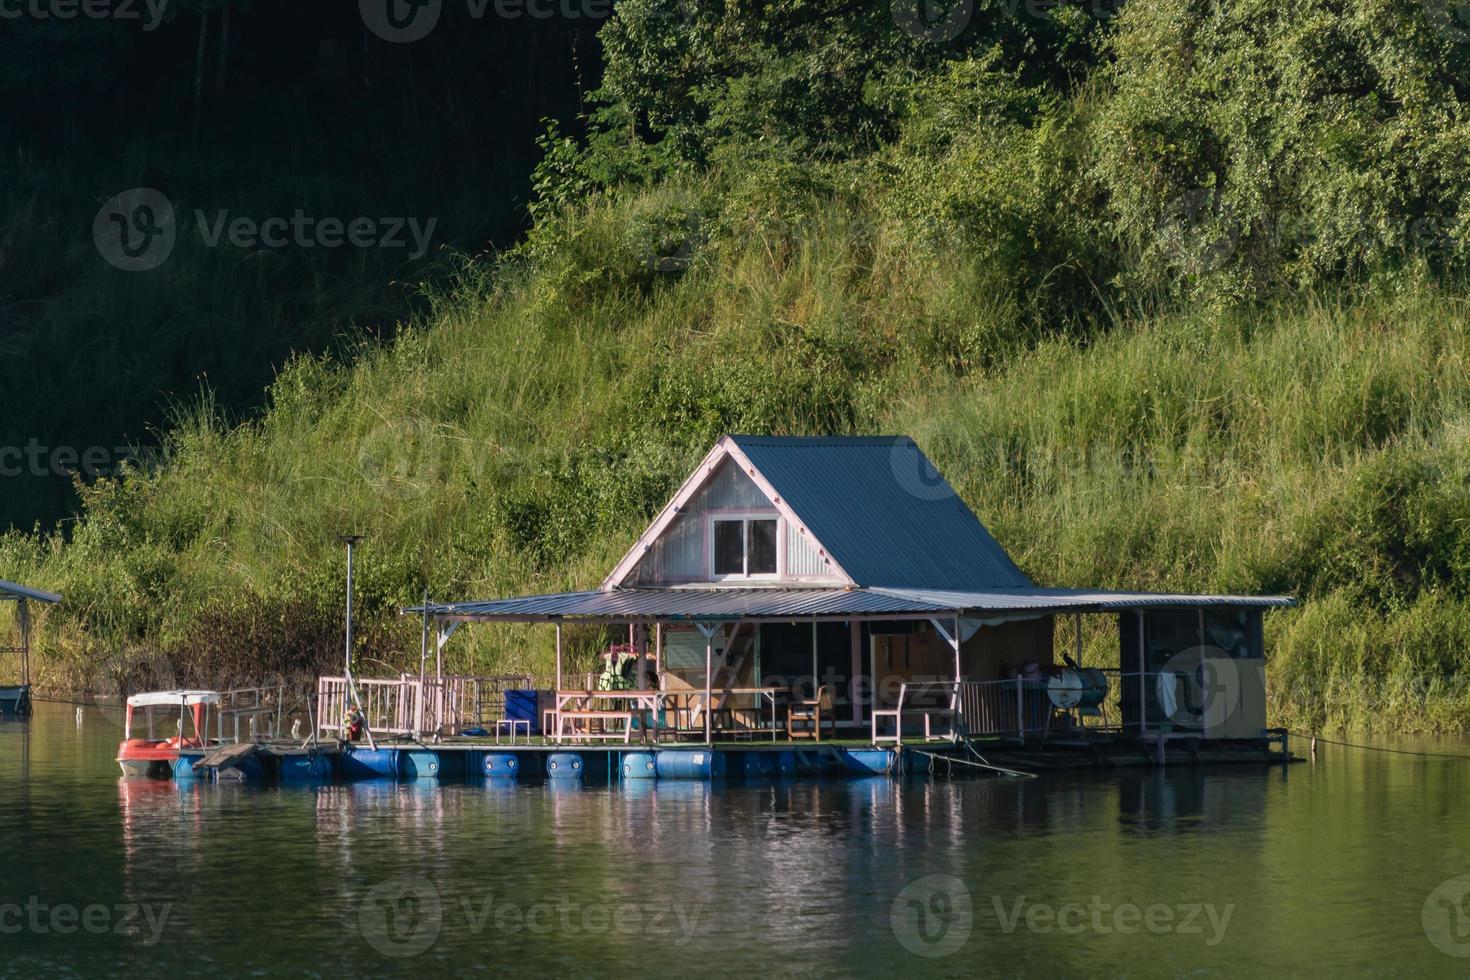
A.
pixel 1172 292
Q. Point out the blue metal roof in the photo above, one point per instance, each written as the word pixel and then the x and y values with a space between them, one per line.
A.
pixel 12 590
pixel 779 604
pixel 883 512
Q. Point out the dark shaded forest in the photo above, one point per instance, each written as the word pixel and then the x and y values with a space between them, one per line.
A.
pixel 240 109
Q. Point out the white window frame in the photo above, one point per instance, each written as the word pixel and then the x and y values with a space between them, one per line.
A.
pixel 746 517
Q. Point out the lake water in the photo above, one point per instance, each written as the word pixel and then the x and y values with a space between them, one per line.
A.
pixel 1350 866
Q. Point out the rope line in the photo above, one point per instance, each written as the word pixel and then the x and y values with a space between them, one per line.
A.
pixel 1381 748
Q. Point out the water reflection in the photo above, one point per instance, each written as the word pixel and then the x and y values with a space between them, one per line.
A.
pixel 784 874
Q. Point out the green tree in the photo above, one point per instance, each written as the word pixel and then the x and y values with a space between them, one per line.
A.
pixel 1246 145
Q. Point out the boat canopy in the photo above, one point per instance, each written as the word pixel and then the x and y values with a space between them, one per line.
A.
pixel 190 698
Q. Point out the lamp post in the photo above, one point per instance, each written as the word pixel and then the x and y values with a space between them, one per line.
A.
pixel 350 540
pixel 349 692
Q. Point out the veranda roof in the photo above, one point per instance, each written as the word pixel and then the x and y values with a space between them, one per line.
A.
pixel 711 604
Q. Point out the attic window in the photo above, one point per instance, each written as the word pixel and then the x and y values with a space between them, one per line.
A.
pixel 743 547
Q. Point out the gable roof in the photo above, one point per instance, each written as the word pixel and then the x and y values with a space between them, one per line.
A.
pixel 884 512
pixel 874 506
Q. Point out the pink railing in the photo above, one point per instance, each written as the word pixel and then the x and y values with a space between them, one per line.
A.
pixel 408 706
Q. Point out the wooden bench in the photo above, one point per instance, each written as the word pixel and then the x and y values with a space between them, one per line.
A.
pixel 562 717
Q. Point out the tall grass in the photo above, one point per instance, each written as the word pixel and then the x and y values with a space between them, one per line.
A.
pixel 516 437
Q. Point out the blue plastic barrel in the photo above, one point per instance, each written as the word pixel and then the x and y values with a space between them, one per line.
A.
pixel 365 763
pixel 313 767
pixel 639 765
pixel 501 765
pixel 689 764
pixel 431 764
pixel 564 765
pixel 753 764
pixel 786 763
pixel 867 762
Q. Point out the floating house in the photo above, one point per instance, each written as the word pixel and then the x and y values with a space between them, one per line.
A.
pixel 840 590
pixel 15 699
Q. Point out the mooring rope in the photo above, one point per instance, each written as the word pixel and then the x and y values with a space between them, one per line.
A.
pixel 80 704
pixel 950 761
pixel 1379 748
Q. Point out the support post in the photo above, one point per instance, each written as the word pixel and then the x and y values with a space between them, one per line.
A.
pixel 709 659
pixel 1020 710
pixel 1142 678
pixel 24 613
pixel 418 721
pixel 446 630
pixel 955 642
pixel 349 689
pixel 556 698
pixel 954 699
pixel 816 680
pixel 953 639
pixel 347 669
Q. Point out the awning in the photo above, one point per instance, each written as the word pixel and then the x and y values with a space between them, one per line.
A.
pixel 691 604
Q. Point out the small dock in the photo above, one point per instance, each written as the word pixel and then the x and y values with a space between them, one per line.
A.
pixel 536 760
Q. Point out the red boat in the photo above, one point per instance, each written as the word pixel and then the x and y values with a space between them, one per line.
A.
pixel 155 757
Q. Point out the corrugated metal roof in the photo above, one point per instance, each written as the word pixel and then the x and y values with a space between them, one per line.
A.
pixel 9 590
pixel 883 512
pixel 717 604
pixel 1081 599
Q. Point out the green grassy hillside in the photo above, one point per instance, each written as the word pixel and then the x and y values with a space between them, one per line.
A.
pixel 518 438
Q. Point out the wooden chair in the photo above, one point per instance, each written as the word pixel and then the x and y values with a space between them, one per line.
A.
pixel 813 712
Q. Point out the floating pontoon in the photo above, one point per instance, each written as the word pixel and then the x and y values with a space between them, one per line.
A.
pixel 15 699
